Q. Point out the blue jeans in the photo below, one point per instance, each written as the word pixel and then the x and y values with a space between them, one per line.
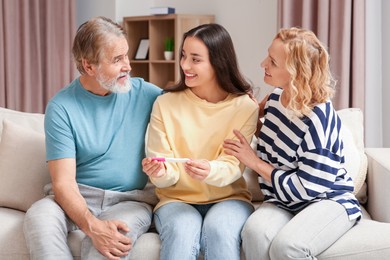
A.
pixel 274 233
pixel 215 229
pixel 46 225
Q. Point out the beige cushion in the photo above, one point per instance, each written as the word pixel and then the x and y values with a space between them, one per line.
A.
pixel 252 178
pixel 355 157
pixel 23 169
pixel 367 240
pixel 30 120
pixel 12 243
pixel 252 181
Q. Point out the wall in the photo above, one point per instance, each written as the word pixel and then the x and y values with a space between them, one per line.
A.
pixel 385 32
pixel 373 103
pixel 377 121
pixel 86 9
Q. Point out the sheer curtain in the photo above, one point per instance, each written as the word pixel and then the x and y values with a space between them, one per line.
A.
pixel 340 25
pixel 35 51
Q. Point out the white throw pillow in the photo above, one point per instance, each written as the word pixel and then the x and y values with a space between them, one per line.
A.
pixel 23 168
pixel 355 157
pixel 30 120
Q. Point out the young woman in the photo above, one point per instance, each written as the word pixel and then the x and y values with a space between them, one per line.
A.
pixel 204 202
pixel 308 194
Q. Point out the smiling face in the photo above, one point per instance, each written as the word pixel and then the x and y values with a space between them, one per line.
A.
pixel 113 69
pixel 275 72
pixel 196 65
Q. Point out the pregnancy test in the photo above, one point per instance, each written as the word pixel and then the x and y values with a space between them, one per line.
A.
pixel 175 160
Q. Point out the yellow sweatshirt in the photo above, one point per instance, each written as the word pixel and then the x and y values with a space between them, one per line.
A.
pixel 183 125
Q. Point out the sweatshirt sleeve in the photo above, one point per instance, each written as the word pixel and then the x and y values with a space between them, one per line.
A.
pixel 226 169
pixel 158 145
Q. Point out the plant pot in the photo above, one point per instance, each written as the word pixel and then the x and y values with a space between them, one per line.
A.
pixel 168 55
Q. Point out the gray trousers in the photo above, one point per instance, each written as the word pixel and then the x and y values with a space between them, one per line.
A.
pixel 46 226
pixel 274 233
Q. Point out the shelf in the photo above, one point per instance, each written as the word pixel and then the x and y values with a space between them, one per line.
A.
pixel 157 28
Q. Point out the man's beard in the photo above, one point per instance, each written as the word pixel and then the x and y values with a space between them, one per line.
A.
pixel 113 85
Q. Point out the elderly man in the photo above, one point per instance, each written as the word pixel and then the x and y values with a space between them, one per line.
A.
pixel 95 129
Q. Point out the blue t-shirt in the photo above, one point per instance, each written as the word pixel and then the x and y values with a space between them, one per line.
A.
pixel 105 134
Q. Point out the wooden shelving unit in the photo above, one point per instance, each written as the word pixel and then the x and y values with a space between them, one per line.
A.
pixel 157 28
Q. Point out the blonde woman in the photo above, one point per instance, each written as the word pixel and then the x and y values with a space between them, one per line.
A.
pixel 308 194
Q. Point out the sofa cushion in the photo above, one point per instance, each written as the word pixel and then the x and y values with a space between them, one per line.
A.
pixel 12 242
pixel 368 239
pixel 23 169
pixel 355 157
pixel 252 179
pixel 30 120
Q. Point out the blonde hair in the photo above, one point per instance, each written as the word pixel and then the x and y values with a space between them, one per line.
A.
pixel 308 64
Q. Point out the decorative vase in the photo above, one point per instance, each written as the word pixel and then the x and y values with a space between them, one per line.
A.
pixel 168 55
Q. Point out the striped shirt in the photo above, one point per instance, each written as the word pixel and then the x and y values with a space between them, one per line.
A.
pixel 307 154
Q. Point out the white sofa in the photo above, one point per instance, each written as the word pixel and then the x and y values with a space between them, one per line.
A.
pixel 23 173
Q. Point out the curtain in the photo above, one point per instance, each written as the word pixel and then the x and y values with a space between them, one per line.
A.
pixel 35 51
pixel 340 25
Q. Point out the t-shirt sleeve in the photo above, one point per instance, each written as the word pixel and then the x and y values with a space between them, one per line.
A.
pixel 158 145
pixel 60 142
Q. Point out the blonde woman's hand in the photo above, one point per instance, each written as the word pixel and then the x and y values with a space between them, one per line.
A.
pixel 241 149
pixel 197 169
pixel 153 168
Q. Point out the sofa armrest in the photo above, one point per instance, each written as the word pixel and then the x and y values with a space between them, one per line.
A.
pixel 378 181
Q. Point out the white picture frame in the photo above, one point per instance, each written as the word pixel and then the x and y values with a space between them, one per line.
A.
pixel 143 50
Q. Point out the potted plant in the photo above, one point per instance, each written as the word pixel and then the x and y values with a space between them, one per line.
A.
pixel 168 48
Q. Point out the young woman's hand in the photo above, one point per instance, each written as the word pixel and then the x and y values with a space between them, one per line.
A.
pixel 197 169
pixel 153 168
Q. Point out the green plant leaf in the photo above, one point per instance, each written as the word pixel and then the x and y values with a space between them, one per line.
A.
pixel 169 44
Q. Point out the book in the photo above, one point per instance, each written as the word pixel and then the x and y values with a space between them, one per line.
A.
pixel 161 10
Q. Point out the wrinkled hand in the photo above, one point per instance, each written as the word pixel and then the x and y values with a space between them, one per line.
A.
pixel 108 240
pixel 197 169
pixel 241 149
pixel 153 168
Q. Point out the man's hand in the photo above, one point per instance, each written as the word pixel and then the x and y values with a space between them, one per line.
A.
pixel 106 235
pixel 108 239
pixel 197 169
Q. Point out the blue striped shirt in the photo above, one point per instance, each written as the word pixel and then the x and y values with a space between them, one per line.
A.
pixel 307 154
